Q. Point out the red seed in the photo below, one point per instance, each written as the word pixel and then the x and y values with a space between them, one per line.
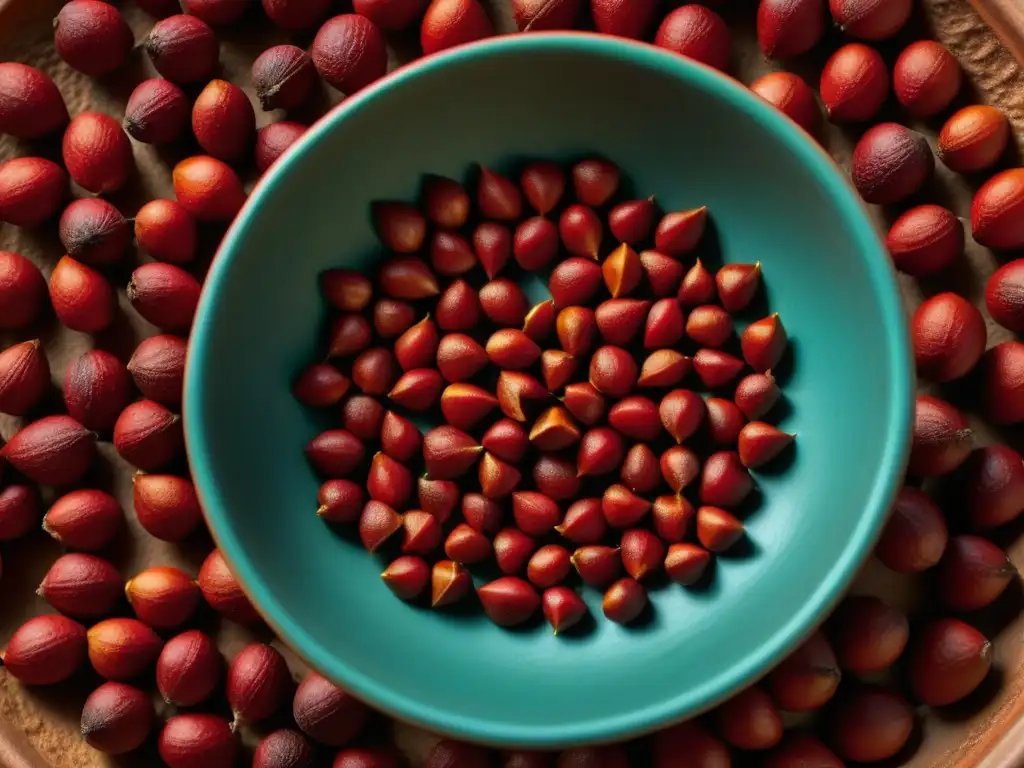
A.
pixel 543 185
pixel 926 78
pixel 519 395
pixel 85 519
pixel 272 141
pixel 449 452
pixel 601 451
pixel 581 231
pixel 1002 384
pixel 574 281
pixel 326 713
pixel 297 15
pixel 1003 296
pixel 163 597
pixel 789 28
pixel 717 530
pixel 686 563
pixel 349 52
pixel 407 577
pixel 222 591
pixel 664 273
pixel 507 440
pixel 563 609
pixel 622 508
pixel 854 84
pixel 418 390
pixel 283 77
pixel 725 422
pixel 535 514
pixel 335 453
pixel 82 586
pixel 94 231
pixel 402 228
pixel 55 450
pixel 207 188
pixel 682 412
pixel 22 288
pixel 624 601
pixel 549 565
pixel 148 436
pixel 632 221
pixel 791 95
pixel 698 286
pixel 389 481
pixel 664 368
pixel 31 105
pixel 557 368
pixel 451 254
pixel 341 501
pixel 619 320
pixel 377 523
pixel 497 478
pixel 756 394
pixel 464 405
pixel 802 749
pixel 117 718
pixel 258 683
pixel 457 308
pixel 375 371
pixel 509 601
pixel 498 197
pixel 915 536
pixel 869 635
pixel 737 284
pixel 503 302
pixel 92 37
pixel 974 138
pixel 31 191
pixel 624 18
pixel 511 349
pixel 871 724
pixel 448 23
pixel 973 573
pixel 283 748
pixel 457 754
pixel 613 371
pixel 709 326
pixel 216 12
pixel 680 466
pixel 392 318
pixel 598 566
pixel 438 497
pixel 672 516
pixel 807 678
pixel 690 739
pixel 164 294
pixel 158 368
pixel 321 385
pixel 450 582
pixel 422 533
pixel 749 720
pixel 697 33
pixel 540 15
pixel 166 507
pixel 166 231
pixel 942 438
pixel 665 324
pixel 459 357
pixel 512 550
pixel 82 298
pixel 188 669
pixel 467 546
pixel 97 153
pixel 195 740
pixel 640 471
pixel 535 243
pixel 992 480
pixel 871 19
pixel 642 553
pixel 492 243
pixel 584 402
pixel 595 181
pixel 45 650
pixel 760 442
pixel 622 271
pixel 584 522
pixel 183 49
pixel 19 511
pixel 890 163
pixel 949 337
pixel 949 660
pixel 557 477
pixel 120 649
pixel 24 377
pixel 925 240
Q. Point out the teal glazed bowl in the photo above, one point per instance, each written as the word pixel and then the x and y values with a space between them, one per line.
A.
pixel 692 137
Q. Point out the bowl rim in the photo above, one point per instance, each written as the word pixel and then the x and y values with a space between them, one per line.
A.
pixel 688 703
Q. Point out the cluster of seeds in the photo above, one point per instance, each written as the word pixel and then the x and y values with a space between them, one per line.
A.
pixel 570 437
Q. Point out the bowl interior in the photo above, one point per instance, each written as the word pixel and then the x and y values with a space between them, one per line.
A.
pixel 679 131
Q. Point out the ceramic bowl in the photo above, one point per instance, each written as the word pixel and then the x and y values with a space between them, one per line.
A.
pixel 680 131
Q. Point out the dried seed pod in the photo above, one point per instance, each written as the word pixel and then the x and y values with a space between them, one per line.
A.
pixel 166 231
pixel 717 530
pixel 925 240
pixel 19 511
pixel 258 683
pixel 915 536
pixel 995 211
pixel 640 471
pixel 973 573
pixel 598 566
pixel 449 452
pixel 622 508
pixel 890 163
pixel 949 660
pixel 581 231
pixel 942 438
pixel 584 402
pixel 31 191
pixel 1002 299
pixel 543 185
pixel 283 748
pixel 749 720
pixel 789 28
pixel 557 477
pixel 871 724
pixel 926 78
pixel 632 221
pixel 84 519
pixel 55 450
pixel 624 601
pixel 548 566
pixel 163 597
pixel 992 480
pixel 97 153
pixel 222 591
pixel 193 740
pixel 120 649
pixel 82 298
pixel 974 138
pixel 854 84
pixel 664 368
pixel 807 678
pixel 871 19
pixel 563 609
pixel 272 141
pixel 697 33
pixel 681 412
pixel 512 550
pixel 375 371
pixel 519 394
pixel 207 188
pixel 81 586
pixel 492 243
pixel 503 302
pixel 584 522
pixel 117 718
pixel 45 650
pixel 32 105
pixel 166 506
pixel 283 77
pixel 24 377
pixel 92 37
pixel 188 669
pixel 613 371
pixel 148 436
pixel 622 271
pixel 94 231
pixel 183 49
pixel 791 95
pixel 595 181
pixel 869 635
pixel 1003 399
pixel 535 243
pixel 349 52
pixel 407 577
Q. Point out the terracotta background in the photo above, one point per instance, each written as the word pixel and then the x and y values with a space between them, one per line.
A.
pixel 39 727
